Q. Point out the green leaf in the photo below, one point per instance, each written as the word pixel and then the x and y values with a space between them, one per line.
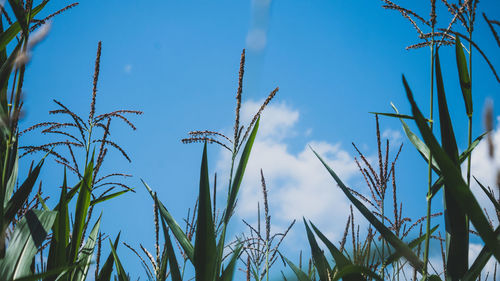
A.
pixel 452 175
pixel 457 228
pixel 107 197
pixel 440 181
pixel 9 189
pixel 204 246
pixel 397 115
pixel 394 241
pixel 463 75
pixel 238 176
pixel 480 262
pixel 228 272
pixel 55 273
pixel 28 236
pixel 86 253
pixel 122 275
pixel 21 195
pixel 340 260
pixel 356 269
pixel 233 192
pixel 434 278
pixel 318 257
pixel 490 195
pixel 417 142
pixel 414 243
pixel 174 226
pixel 172 260
pixel 20 13
pixel 107 268
pixel 301 275
pixel 60 231
pixel 82 207
pixel 14 29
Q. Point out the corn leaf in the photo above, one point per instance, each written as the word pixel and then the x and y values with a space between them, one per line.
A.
pixel 107 268
pixel 457 228
pixel 174 226
pixel 82 207
pixel 204 245
pixel 340 260
pixel 11 183
pixel 120 271
pixel 20 196
pixel 440 181
pixel 394 241
pixel 319 259
pixel 107 197
pixel 14 29
pixel 463 75
pixel 238 176
pixel 29 234
pixel 301 275
pixel 228 272
pixel 489 195
pixel 480 262
pixel 417 142
pixel 356 269
pixel 172 260
pixel 60 231
pixel 452 174
pixel 414 243
pixel 86 253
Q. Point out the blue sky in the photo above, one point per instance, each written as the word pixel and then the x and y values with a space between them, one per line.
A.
pixel 177 61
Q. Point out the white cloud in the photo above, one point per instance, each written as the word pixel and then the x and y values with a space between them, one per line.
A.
pixel 298 184
pixel 485 170
pixel 394 136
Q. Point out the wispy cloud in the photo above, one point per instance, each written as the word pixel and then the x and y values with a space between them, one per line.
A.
pixel 299 186
pixel 394 136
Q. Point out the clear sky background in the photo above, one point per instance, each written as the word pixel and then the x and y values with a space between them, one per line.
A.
pixel 177 61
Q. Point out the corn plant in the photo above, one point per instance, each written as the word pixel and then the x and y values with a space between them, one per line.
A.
pixel 207 254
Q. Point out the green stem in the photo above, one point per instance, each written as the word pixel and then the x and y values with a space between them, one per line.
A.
pixel 470 117
pixel 429 170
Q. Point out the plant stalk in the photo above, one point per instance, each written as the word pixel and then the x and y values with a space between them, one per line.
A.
pixel 429 170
